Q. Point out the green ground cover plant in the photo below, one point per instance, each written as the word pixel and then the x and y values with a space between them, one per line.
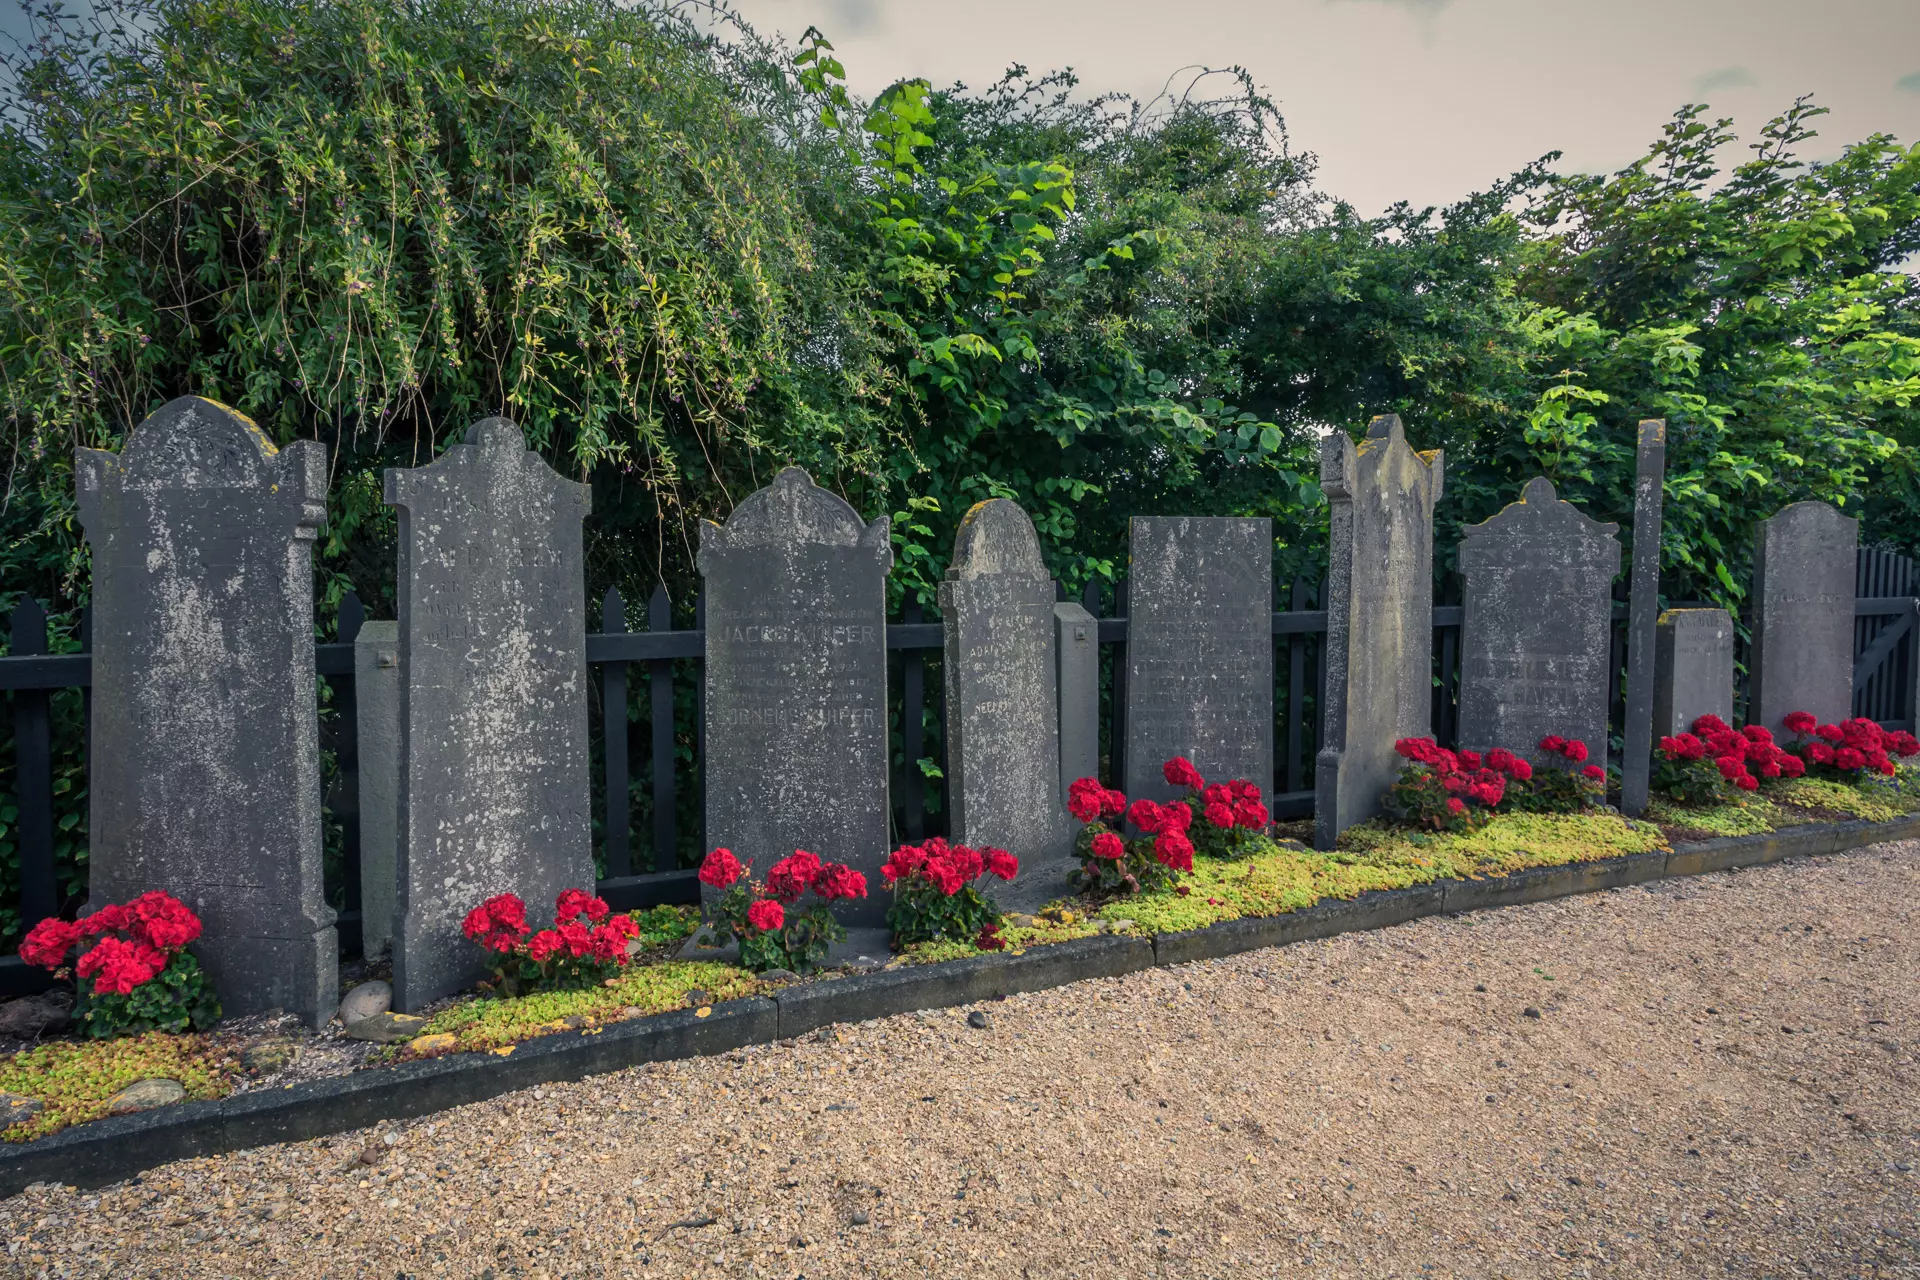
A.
pixel 491 1024
pixel 75 1079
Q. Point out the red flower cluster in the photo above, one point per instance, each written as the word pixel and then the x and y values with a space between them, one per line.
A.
pixel 1852 746
pixel 584 929
pixel 134 941
pixel 1223 805
pixel 1572 750
pixel 787 881
pixel 1088 801
pixel 766 915
pixel 1168 825
pixel 1743 757
pixel 947 867
pixel 1467 775
pixel 721 869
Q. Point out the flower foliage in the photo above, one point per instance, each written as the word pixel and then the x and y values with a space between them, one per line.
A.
pixel 1219 818
pixel 1849 751
pixel 586 945
pixel 133 973
pixel 936 893
pixel 1443 790
pixel 763 917
pixel 1713 761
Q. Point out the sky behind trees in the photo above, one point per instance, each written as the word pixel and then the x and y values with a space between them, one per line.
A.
pixel 1424 100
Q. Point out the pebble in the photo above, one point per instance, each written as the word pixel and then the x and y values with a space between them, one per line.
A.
pixel 779 975
pixel 1529 1012
pixel 14 1109
pixel 144 1095
pixel 31 1017
pixel 979 1020
pixel 699 996
pixel 438 1042
pixel 270 1055
pixel 365 1001
pixel 386 1028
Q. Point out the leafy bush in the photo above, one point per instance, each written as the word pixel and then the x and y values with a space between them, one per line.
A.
pixel 772 935
pixel 586 945
pixel 133 973
pixel 936 893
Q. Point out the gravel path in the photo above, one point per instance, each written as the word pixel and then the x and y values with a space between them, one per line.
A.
pixel 1707 1076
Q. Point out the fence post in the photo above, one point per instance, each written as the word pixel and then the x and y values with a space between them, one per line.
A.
pixel 666 853
pixel 33 774
pixel 1296 693
pixel 613 715
pixel 913 703
pixel 700 719
pixel 1643 612
pixel 1118 754
pixel 349 616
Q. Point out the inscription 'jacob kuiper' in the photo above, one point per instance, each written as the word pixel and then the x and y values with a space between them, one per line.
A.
pixel 796 680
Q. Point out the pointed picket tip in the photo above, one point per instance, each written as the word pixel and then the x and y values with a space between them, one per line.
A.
pixel 613 611
pixel 28 627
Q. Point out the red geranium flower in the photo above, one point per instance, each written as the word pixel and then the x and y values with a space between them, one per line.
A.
pixel 1002 864
pixel 1144 814
pixel 1108 845
pixel 1575 750
pixel 1220 815
pixel 1179 772
pixel 837 881
pixel 1594 773
pixel 793 875
pixel 1801 722
pixel 720 869
pixel 766 915
pixel 1552 742
pixel 47 943
pixel 1173 850
pixel 1456 805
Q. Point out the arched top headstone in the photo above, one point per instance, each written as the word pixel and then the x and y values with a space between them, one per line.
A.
pixel 1383 454
pixel 996 539
pixel 793 510
pixel 196 443
pixel 1812 518
pixel 493 457
pixel 1541 510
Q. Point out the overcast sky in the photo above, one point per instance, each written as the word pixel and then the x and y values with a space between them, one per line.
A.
pixel 1424 100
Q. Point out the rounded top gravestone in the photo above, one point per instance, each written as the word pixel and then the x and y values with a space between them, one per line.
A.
pixel 204 774
pixel 1804 563
pixel 996 537
pixel 796 681
pixel 1536 627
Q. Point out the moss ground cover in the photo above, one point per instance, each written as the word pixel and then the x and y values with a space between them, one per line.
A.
pixel 75 1079
pixel 652 988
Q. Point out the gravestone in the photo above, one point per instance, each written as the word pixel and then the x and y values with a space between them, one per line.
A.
pixel 1693 669
pixel 1379 646
pixel 1803 615
pixel 205 767
pixel 1003 727
pixel 796 683
pixel 1537 627
pixel 493 705
pixel 1076 648
pixel 1649 492
pixel 376 709
pixel 1199 650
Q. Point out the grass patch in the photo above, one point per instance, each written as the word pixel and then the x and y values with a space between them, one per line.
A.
pixel 654 988
pixel 1376 855
pixel 1882 804
pixel 76 1078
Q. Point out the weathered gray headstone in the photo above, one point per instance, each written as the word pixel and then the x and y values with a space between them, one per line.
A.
pixel 796 682
pixel 1077 666
pixel 1379 647
pixel 1003 732
pixel 493 707
pixel 1803 583
pixel 376 709
pixel 1199 650
pixel 1693 665
pixel 205 765
pixel 1536 630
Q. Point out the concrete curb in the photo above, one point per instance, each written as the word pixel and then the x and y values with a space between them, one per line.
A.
pixel 104 1151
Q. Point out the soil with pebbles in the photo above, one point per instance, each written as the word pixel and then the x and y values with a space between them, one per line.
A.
pixel 1705 1076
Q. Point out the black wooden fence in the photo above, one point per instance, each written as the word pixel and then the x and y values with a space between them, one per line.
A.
pixel 649 682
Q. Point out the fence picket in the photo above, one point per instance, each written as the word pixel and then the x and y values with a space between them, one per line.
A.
pixel 666 850
pixel 33 773
pixel 913 706
pixel 613 717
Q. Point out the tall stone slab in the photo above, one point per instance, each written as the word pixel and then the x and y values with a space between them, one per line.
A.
pixel 1199 650
pixel 1803 619
pixel 493 702
pixel 796 682
pixel 1536 630
pixel 1649 492
pixel 1076 650
pixel 1693 669
pixel 376 711
pixel 1003 730
pixel 1379 647
pixel 205 765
